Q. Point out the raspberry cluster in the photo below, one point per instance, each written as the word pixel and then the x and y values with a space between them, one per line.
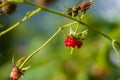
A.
pixel 72 42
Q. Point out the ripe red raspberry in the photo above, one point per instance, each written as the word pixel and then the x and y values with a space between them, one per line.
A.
pixel 69 42
pixel 78 43
pixel 72 42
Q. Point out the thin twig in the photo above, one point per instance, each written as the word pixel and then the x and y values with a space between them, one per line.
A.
pixel 28 16
pixel 40 48
pixel 113 45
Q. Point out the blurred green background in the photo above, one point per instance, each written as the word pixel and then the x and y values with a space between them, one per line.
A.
pixel 95 60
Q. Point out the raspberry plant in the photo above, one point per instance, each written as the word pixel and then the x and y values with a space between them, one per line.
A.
pixel 74 39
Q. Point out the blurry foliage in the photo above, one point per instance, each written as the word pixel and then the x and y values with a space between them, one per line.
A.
pixel 95 60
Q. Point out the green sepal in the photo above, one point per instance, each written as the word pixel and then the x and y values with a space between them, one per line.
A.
pixel 25 68
pixel 19 62
pixel 82 35
pixel 13 60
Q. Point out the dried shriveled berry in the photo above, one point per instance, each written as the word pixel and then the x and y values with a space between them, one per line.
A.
pixel 84 6
pixel 75 12
pixel 15 73
pixel 9 8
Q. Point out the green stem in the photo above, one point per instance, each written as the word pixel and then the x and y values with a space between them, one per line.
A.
pixel 61 14
pixel 113 45
pixel 77 28
pixel 40 48
pixel 11 2
pixel 69 24
pixel 82 15
pixel 50 10
pixel 28 16
pixel 72 49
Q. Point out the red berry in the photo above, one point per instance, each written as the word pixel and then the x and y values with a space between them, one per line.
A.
pixel 72 42
pixel 78 43
pixel 69 42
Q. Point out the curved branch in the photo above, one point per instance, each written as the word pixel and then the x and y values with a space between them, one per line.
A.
pixel 61 14
pixel 28 16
